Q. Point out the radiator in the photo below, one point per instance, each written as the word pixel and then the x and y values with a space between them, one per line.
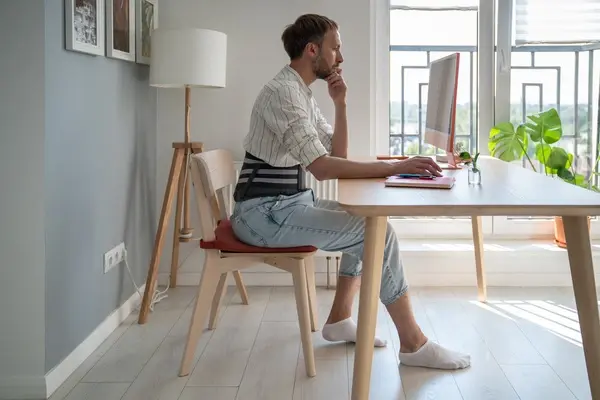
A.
pixel 323 189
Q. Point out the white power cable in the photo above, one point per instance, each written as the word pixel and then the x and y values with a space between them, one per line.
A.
pixel 156 296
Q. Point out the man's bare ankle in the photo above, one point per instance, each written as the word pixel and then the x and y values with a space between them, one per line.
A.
pixel 411 346
pixel 334 318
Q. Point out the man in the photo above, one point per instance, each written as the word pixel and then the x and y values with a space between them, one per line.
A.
pixel 288 134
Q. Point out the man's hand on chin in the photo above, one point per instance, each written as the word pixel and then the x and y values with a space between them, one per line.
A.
pixel 337 87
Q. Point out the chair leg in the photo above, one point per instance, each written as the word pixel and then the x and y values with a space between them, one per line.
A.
pixel 216 303
pixel 206 290
pixel 312 293
pixel 240 286
pixel 301 293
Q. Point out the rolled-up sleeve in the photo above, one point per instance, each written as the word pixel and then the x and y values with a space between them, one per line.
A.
pixel 286 114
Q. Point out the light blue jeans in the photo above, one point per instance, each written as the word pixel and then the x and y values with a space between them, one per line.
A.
pixel 302 220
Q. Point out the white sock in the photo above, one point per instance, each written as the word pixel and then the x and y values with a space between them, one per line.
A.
pixel 432 355
pixel 345 331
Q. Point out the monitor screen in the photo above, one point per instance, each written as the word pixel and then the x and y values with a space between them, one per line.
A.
pixel 441 103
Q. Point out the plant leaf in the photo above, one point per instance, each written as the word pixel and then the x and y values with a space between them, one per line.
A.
pixel 570 161
pixel 545 126
pixel 558 158
pixel 464 155
pixel 507 144
pixel 542 152
pixel 553 171
pixel 564 174
pixel 553 135
pixel 531 129
pixel 580 180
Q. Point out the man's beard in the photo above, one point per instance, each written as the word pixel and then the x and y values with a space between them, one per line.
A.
pixel 321 69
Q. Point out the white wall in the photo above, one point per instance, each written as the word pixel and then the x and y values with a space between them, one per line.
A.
pixel 220 117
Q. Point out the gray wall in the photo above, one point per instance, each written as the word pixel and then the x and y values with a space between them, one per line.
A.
pixel 77 177
pixel 21 192
pixel 100 184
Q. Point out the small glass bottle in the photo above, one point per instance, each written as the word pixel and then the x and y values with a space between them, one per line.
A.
pixel 474 175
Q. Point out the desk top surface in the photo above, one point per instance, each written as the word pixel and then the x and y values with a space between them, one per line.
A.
pixel 506 189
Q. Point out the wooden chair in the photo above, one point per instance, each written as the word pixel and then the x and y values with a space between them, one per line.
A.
pixel 211 172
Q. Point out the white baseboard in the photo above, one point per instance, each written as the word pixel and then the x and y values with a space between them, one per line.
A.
pixel 439 263
pixel 57 376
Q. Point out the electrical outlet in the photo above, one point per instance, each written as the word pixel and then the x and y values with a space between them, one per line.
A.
pixel 114 257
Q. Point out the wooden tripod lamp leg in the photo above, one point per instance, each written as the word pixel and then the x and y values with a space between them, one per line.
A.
pixel 183 207
pixel 183 233
pixel 176 169
pixel 186 231
pixel 177 223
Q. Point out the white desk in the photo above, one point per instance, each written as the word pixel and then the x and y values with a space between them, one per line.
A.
pixel 506 189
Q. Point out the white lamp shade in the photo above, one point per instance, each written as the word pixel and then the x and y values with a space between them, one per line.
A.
pixel 188 57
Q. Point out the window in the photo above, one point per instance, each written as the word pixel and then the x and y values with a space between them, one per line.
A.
pixel 536 22
pixel 413 44
pixel 549 67
pixel 511 53
pixel 420 32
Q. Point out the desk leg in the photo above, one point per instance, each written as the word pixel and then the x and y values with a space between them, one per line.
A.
pixel 478 245
pixel 367 310
pixel 584 286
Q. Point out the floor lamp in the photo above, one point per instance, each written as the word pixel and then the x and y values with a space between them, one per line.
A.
pixel 181 58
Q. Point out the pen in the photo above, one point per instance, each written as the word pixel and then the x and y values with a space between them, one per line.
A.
pixel 415 176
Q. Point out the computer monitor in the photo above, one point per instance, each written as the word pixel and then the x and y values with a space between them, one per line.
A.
pixel 441 106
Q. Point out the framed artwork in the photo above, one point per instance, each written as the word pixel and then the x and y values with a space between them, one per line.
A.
pixel 146 22
pixel 84 26
pixel 120 29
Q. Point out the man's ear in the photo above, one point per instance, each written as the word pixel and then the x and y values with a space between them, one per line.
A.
pixel 312 49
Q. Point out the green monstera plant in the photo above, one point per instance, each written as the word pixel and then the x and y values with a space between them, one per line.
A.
pixel 543 131
pixel 509 143
pixel 540 135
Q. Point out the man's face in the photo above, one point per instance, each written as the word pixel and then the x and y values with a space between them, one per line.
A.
pixel 329 57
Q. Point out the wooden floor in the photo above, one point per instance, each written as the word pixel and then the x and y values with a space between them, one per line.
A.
pixel 525 344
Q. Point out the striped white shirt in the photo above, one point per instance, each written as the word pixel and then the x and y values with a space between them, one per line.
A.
pixel 286 125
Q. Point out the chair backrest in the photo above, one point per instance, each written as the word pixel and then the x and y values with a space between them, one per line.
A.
pixel 212 171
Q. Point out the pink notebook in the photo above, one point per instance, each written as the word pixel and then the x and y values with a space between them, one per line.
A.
pixel 441 182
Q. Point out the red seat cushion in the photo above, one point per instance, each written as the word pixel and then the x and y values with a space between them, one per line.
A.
pixel 225 240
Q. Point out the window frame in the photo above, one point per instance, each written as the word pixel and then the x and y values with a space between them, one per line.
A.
pixel 494 50
pixel 503 226
pixel 414 228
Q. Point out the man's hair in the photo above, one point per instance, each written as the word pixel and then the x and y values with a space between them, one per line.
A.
pixel 308 28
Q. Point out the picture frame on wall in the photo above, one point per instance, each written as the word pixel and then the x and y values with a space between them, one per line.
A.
pixel 84 26
pixel 120 29
pixel 146 22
